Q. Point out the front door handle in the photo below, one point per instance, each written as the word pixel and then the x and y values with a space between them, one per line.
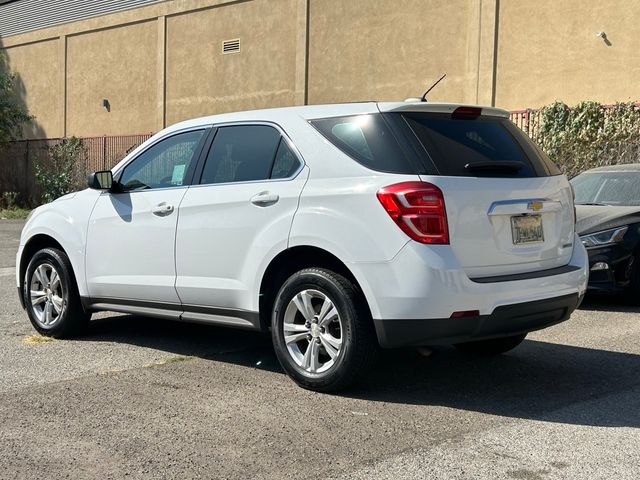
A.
pixel 264 199
pixel 162 209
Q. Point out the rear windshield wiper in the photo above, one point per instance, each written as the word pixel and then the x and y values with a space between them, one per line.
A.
pixel 593 203
pixel 513 167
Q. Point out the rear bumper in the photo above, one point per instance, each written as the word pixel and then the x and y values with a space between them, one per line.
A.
pixel 428 282
pixel 422 286
pixel 503 321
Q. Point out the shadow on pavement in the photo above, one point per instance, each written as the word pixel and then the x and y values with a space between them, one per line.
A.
pixel 243 347
pixel 535 381
pixel 610 303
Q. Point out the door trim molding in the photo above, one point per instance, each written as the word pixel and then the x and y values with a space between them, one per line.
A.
pixel 189 313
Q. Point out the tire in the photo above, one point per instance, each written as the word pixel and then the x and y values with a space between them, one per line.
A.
pixel 335 342
pixel 57 311
pixel 493 346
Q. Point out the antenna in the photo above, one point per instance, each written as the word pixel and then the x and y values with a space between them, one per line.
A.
pixel 424 97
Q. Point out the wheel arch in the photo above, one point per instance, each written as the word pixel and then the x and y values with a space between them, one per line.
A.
pixel 33 245
pixel 291 260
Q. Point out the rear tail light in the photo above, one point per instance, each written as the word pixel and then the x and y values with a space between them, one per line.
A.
pixel 418 209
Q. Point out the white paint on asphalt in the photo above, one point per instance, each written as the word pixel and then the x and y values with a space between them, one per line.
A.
pixel 7 271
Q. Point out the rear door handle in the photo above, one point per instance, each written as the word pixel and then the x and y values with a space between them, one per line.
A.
pixel 264 199
pixel 162 209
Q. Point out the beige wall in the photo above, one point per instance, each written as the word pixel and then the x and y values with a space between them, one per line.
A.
pixel 163 63
pixel 201 80
pixel 389 50
pixel 40 77
pixel 117 64
pixel 548 50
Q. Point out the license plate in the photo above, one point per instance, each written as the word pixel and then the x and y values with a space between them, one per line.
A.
pixel 527 229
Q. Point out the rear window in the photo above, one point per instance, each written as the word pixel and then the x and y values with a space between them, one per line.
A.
pixel 368 140
pixel 437 144
pixel 478 146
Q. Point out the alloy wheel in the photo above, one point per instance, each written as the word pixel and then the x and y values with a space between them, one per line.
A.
pixel 47 295
pixel 312 331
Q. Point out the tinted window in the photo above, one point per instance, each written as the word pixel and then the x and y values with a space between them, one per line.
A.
pixel 608 188
pixel 286 163
pixel 240 154
pixel 478 146
pixel 368 140
pixel 461 145
pixel 165 164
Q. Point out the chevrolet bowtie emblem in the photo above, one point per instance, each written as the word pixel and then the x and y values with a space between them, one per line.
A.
pixel 535 206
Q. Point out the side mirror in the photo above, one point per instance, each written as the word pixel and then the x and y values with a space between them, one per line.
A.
pixel 102 180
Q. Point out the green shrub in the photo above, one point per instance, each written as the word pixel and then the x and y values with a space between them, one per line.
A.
pixel 61 174
pixel 14 213
pixel 13 115
pixel 9 200
pixel 589 135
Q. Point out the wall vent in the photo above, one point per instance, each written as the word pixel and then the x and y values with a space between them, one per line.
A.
pixel 231 46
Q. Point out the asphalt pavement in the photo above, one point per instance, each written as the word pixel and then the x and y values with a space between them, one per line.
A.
pixel 146 398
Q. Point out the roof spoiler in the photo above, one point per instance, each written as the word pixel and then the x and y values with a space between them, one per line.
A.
pixel 440 108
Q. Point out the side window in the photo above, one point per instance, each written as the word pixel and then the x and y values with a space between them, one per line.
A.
pixel 286 163
pixel 240 154
pixel 351 134
pixel 162 165
pixel 368 140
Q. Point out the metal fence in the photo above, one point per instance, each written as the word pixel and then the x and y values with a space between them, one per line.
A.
pixel 18 160
pixel 105 152
pixel 527 120
pixel 530 120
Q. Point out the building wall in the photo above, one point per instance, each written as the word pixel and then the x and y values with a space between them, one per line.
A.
pixel 162 63
pixel 113 64
pixel 376 49
pixel 548 50
pixel 40 75
pixel 201 80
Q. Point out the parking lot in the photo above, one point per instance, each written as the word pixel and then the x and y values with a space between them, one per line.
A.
pixel 148 398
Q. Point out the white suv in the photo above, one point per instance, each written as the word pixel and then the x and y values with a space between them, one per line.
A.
pixel 339 228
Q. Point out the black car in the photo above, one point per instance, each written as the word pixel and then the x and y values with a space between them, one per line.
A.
pixel 608 223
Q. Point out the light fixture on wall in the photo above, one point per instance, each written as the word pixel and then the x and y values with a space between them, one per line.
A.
pixel 603 36
pixel 106 104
